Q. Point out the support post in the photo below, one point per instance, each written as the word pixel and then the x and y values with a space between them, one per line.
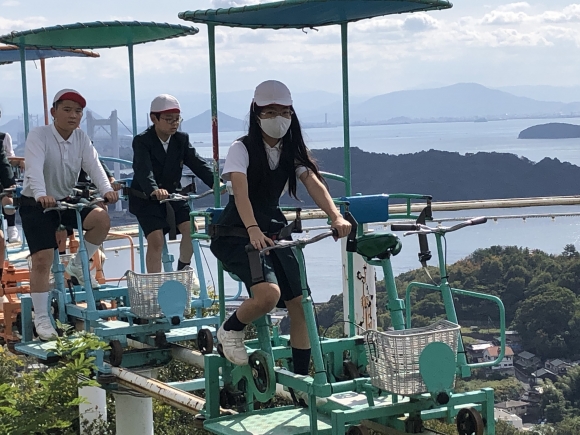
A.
pixel 94 408
pixel 132 84
pixel 347 171
pixel 44 96
pixel 134 413
pixel 216 154
pixel 114 126
pixel 24 89
pixel 214 113
pixel 364 288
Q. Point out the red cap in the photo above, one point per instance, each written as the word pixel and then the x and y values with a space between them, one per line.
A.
pixel 71 95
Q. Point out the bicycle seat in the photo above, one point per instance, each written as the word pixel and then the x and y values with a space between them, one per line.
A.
pixel 378 245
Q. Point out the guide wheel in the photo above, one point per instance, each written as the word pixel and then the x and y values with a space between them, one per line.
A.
pixel 469 422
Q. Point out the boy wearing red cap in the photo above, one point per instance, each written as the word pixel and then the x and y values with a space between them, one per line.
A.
pixel 159 154
pixel 55 155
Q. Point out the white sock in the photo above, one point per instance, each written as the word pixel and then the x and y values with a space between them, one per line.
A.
pixel 40 304
pixel 91 249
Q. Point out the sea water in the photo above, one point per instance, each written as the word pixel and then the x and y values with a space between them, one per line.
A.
pixel 324 258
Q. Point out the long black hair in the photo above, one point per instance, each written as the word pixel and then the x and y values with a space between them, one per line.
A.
pixel 294 150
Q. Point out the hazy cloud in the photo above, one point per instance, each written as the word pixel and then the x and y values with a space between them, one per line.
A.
pixel 499 17
pixel 217 4
pixel 514 6
pixel 7 25
pixel 10 3
pixel 420 22
pixel 569 14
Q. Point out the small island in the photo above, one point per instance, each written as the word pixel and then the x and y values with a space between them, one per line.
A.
pixel 553 130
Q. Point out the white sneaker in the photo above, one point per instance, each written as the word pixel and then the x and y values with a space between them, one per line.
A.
pixel 77 271
pixel 13 235
pixel 44 328
pixel 302 396
pixel 233 346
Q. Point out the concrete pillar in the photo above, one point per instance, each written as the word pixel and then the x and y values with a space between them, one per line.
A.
pixel 134 412
pixel 94 408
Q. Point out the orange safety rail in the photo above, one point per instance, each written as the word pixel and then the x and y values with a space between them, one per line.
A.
pixel 11 278
pixel 121 236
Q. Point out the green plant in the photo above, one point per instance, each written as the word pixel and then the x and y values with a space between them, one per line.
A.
pixel 46 401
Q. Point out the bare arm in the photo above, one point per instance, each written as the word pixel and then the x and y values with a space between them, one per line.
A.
pixel 322 198
pixel 244 206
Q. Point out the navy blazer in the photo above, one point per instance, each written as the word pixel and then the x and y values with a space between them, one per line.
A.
pixel 154 168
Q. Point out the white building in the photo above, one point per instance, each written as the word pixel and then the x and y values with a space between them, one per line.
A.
pixel 491 354
pixel 514 420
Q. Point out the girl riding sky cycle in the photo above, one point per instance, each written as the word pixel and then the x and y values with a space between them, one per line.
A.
pixel 260 167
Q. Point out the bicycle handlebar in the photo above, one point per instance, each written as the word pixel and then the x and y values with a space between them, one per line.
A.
pixel 424 229
pixel 180 197
pixel 7 191
pixel 63 205
pixel 299 242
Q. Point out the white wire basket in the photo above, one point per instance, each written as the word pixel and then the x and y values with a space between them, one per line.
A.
pixel 144 287
pixel 393 356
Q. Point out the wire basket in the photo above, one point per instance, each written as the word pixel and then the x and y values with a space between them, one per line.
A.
pixel 143 289
pixel 393 356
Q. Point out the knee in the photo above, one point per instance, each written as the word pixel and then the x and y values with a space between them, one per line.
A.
pixel 155 241
pixel 267 300
pixel 42 261
pixel 98 219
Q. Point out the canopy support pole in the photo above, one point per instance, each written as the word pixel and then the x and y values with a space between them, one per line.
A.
pixel 44 96
pixel 216 155
pixel 132 84
pixel 24 88
pixel 347 171
pixel 214 114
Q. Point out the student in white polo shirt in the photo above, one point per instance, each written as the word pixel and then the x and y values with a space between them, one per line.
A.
pixel 55 155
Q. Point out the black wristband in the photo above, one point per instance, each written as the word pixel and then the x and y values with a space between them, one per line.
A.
pixel 250 226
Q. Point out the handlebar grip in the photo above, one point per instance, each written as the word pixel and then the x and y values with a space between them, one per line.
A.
pixel 479 220
pixel 404 227
pixel 351 238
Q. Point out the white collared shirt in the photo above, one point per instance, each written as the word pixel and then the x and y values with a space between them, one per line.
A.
pixel 165 143
pixel 238 160
pixel 53 164
pixel 7 144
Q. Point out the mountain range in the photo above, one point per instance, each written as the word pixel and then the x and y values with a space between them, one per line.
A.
pixel 462 101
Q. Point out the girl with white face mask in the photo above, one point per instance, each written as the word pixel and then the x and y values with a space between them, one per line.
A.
pixel 259 168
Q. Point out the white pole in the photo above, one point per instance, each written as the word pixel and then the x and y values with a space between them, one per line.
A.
pixel 94 407
pixel 365 293
pixel 134 413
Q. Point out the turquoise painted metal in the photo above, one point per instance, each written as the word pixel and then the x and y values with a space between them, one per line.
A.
pixel 434 398
pixel 73 304
pixel 350 397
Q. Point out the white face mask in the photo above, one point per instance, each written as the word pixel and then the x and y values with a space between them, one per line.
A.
pixel 275 127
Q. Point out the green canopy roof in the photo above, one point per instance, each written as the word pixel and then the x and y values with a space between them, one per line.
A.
pixel 299 14
pixel 11 53
pixel 100 34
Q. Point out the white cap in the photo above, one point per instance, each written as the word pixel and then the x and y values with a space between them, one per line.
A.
pixel 272 92
pixel 165 103
pixel 71 95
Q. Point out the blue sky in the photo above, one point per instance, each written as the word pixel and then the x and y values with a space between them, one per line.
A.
pixel 495 43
